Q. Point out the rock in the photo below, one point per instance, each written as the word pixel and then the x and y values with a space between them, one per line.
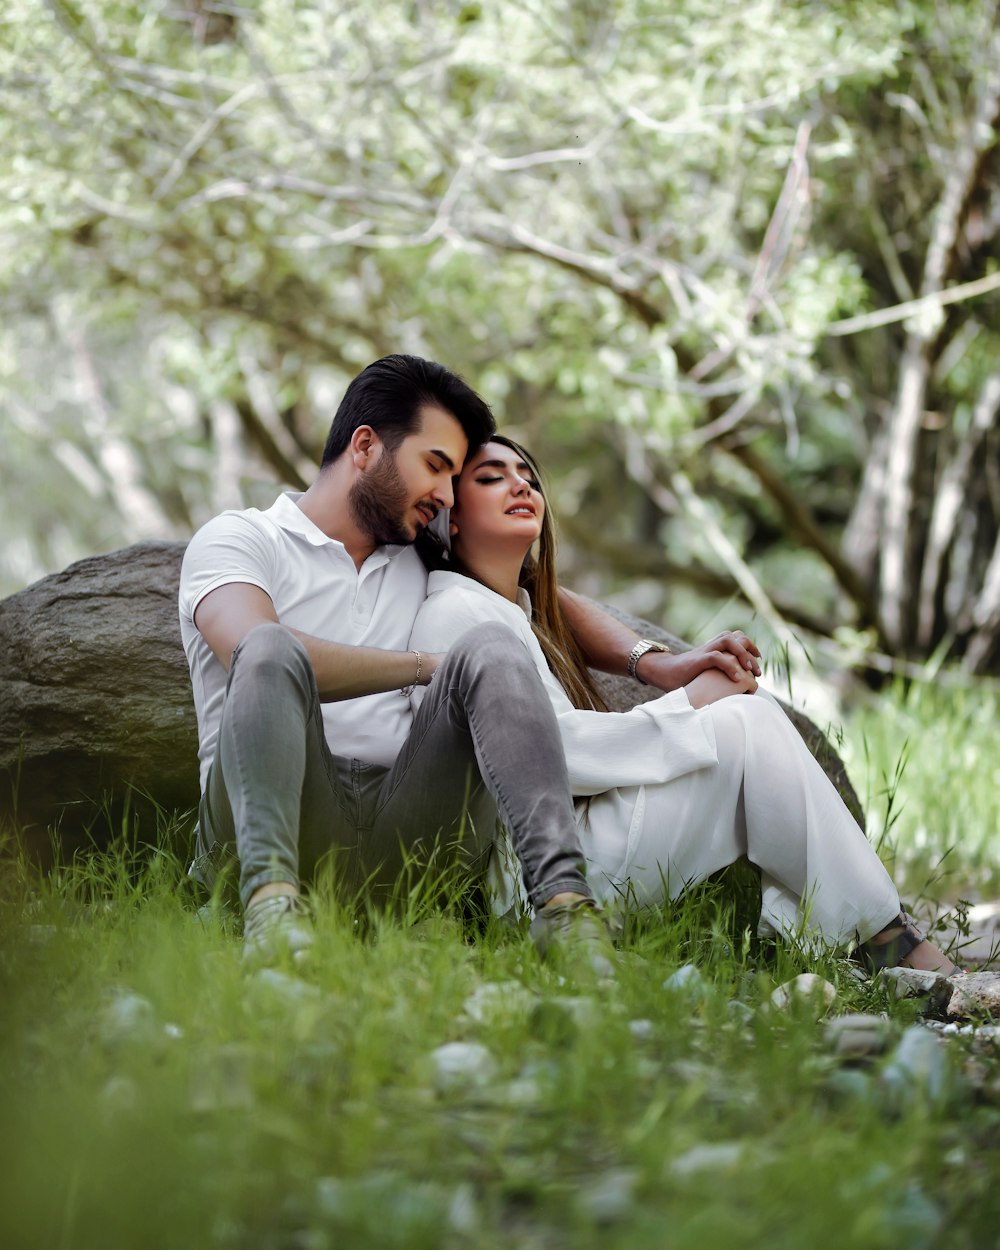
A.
pixel 806 988
pixel 914 983
pixel 128 1020
pixel 363 1207
pixel 850 1085
pixel 985 1035
pixel 709 1157
pixel 96 696
pixel 220 1079
pixel 740 1012
pixel 464 1216
pixel 119 1096
pixel 498 1000
pixel 855 1036
pixel 292 991
pixel 609 1197
pixel 974 994
pixel 688 979
pixel 459 1066
pixel 919 1065
pixel 558 1020
pixel 96 715
pixel 641 1030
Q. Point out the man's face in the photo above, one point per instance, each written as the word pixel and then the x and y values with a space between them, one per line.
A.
pixel 402 491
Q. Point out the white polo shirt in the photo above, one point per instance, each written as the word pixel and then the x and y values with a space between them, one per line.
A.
pixel 315 587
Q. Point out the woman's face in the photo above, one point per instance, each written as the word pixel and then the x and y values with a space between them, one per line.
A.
pixel 498 502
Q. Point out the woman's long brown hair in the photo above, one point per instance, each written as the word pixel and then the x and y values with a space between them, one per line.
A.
pixel 538 577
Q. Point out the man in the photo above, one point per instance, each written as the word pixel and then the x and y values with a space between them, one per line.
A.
pixel 295 622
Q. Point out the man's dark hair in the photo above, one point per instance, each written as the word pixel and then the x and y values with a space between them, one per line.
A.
pixel 388 396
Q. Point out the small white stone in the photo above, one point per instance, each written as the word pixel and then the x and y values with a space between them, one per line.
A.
pixel 806 988
pixel 687 977
pixel 610 1197
pixel 709 1157
pixel 496 1000
pixel 221 1079
pixel 462 1065
pixel 975 994
pixel 740 1012
pixel 463 1211
pixel 641 1029
pixel 919 1063
pixel 290 989
pixel 120 1094
pixel 854 1036
pixel 173 1031
pixel 127 1019
pixel 905 982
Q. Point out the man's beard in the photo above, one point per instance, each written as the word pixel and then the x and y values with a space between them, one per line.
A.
pixel 378 503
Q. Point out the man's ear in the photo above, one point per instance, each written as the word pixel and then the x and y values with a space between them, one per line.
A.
pixel 452 528
pixel 364 442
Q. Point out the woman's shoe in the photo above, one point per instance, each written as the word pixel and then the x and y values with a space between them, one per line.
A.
pixel 905 937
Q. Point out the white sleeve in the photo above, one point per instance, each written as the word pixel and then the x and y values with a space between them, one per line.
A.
pixel 443 618
pixel 229 548
pixel 655 742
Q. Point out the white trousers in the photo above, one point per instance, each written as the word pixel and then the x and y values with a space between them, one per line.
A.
pixel 766 798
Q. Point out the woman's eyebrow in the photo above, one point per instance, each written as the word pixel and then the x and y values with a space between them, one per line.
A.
pixel 502 464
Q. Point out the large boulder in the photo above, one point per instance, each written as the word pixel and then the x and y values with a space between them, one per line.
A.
pixel 96 717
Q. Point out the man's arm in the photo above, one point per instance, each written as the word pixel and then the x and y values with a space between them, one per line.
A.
pixel 606 643
pixel 226 615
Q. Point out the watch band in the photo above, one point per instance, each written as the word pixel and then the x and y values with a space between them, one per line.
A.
pixel 638 651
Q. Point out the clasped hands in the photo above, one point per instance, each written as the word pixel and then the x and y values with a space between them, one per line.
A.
pixel 728 664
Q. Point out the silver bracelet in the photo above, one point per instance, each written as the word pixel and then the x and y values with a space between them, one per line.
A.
pixel 408 690
pixel 638 651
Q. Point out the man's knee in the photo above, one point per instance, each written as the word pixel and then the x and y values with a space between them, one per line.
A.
pixel 270 647
pixel 488 646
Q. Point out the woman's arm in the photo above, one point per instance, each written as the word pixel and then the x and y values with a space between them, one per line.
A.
pixel 606 643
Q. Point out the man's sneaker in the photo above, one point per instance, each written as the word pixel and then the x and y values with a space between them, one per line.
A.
pixel 275 929
pixel 574 936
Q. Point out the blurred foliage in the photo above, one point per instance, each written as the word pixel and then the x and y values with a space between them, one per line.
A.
pixel 631 227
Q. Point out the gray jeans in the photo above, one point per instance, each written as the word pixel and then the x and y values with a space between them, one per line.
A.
pixel 484 740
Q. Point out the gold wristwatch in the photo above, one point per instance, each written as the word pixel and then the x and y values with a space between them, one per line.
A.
pixel 638 651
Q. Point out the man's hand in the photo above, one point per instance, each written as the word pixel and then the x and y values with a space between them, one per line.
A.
pixel 225 616
pixel 732 653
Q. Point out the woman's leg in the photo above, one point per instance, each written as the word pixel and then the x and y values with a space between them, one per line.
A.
pixel 767 798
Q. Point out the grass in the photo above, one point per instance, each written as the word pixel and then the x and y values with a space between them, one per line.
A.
pixel 156 1095
pixel 926 762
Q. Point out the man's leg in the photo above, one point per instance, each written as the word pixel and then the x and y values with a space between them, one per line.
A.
pixel 275 795
pixel 486 728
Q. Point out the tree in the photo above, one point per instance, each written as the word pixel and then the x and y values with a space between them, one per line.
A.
pixel 646 235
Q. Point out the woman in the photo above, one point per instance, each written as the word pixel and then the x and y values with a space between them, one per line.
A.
pixel 676 788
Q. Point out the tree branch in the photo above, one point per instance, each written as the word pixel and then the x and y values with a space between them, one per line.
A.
pixel 802 523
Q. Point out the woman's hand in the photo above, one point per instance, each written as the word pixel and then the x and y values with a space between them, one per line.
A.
pixel 731 653
pixel 713 685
